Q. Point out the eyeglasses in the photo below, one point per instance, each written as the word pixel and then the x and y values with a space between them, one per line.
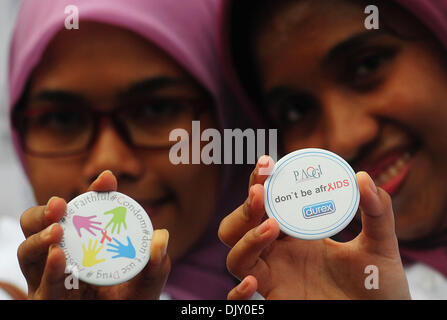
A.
pixel 55 131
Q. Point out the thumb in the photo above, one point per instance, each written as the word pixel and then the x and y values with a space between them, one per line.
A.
pixel 151 281
pixel 106 181
pixel 377 216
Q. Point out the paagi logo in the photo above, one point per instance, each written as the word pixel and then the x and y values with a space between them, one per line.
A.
pixel 319 209
pixel 311 172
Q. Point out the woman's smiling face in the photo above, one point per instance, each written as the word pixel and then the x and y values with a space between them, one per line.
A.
pixel 371 96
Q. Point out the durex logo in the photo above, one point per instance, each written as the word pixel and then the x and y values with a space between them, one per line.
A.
pixel 319 209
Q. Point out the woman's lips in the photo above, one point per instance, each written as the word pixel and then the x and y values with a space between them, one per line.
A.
pixel 390 170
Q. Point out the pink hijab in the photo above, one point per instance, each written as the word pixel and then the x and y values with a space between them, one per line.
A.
pixel 186 31
pixel 431 251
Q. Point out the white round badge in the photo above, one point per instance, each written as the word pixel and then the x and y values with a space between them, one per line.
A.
pixel 312 193
pixel 107 237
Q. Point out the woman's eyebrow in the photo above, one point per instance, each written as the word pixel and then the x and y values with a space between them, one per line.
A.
pixel 152 84
pixel 276 93
pixel 280 92
pixel 58 96
pixel 352 43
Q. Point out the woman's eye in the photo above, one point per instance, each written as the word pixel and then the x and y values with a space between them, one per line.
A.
pixel 293 112
pixel 368 68
pixel 157 109
pixel 367 65
pixel 59 120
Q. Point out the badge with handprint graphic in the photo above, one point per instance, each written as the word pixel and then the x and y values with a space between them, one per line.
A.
pixel 107 237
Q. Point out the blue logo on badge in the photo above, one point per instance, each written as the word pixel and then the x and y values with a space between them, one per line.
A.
pixel 319 209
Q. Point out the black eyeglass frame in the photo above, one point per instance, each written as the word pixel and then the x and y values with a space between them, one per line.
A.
pixel 18 120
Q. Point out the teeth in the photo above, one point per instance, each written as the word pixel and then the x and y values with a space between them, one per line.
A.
pixel 393 170
pixel 382 178
pixel 400 163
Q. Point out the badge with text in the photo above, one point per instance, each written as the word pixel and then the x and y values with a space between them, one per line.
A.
pixel 312 193
pixel 107 237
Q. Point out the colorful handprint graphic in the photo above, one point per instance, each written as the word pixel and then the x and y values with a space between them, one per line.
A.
pixel 118 219
pixel 90 254
pixel 86 223
pixel 122 250
pixel 107 235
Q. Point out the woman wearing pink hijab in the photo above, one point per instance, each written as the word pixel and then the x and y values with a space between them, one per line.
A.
pixel 78 98
pixel 321 75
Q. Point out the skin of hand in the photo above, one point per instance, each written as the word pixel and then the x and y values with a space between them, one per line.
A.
pixel 43 262
pixel 283 267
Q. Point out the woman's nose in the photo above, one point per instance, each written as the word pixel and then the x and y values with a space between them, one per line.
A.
pixel 111 152
pixel 348 127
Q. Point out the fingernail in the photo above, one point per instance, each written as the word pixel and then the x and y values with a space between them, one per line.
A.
pixel 47 232
pixel 164 250
pixel 260 230
pixel 103 173
pixel 263 161
pixel 265 166
pixel 372 185
pixel 242 287
pixel 54 245
pixel 251 194
pixel 47 207
pixel 53 197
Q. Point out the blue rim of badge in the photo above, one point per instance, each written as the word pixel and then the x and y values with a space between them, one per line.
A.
pixel 293 230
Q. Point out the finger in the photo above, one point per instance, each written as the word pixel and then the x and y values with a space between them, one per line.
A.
pixel 245 257
pixel 32 253
pixel 263 168
pixel 94 245
pixel 52 285
pixel 247 216
pixel 106 181
pixel 152 279
pixel 377 216
pixel 38 218
pixel 244 290
pixel 251 212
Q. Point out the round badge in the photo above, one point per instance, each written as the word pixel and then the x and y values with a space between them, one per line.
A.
pixel 312 193
pixel 107 237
